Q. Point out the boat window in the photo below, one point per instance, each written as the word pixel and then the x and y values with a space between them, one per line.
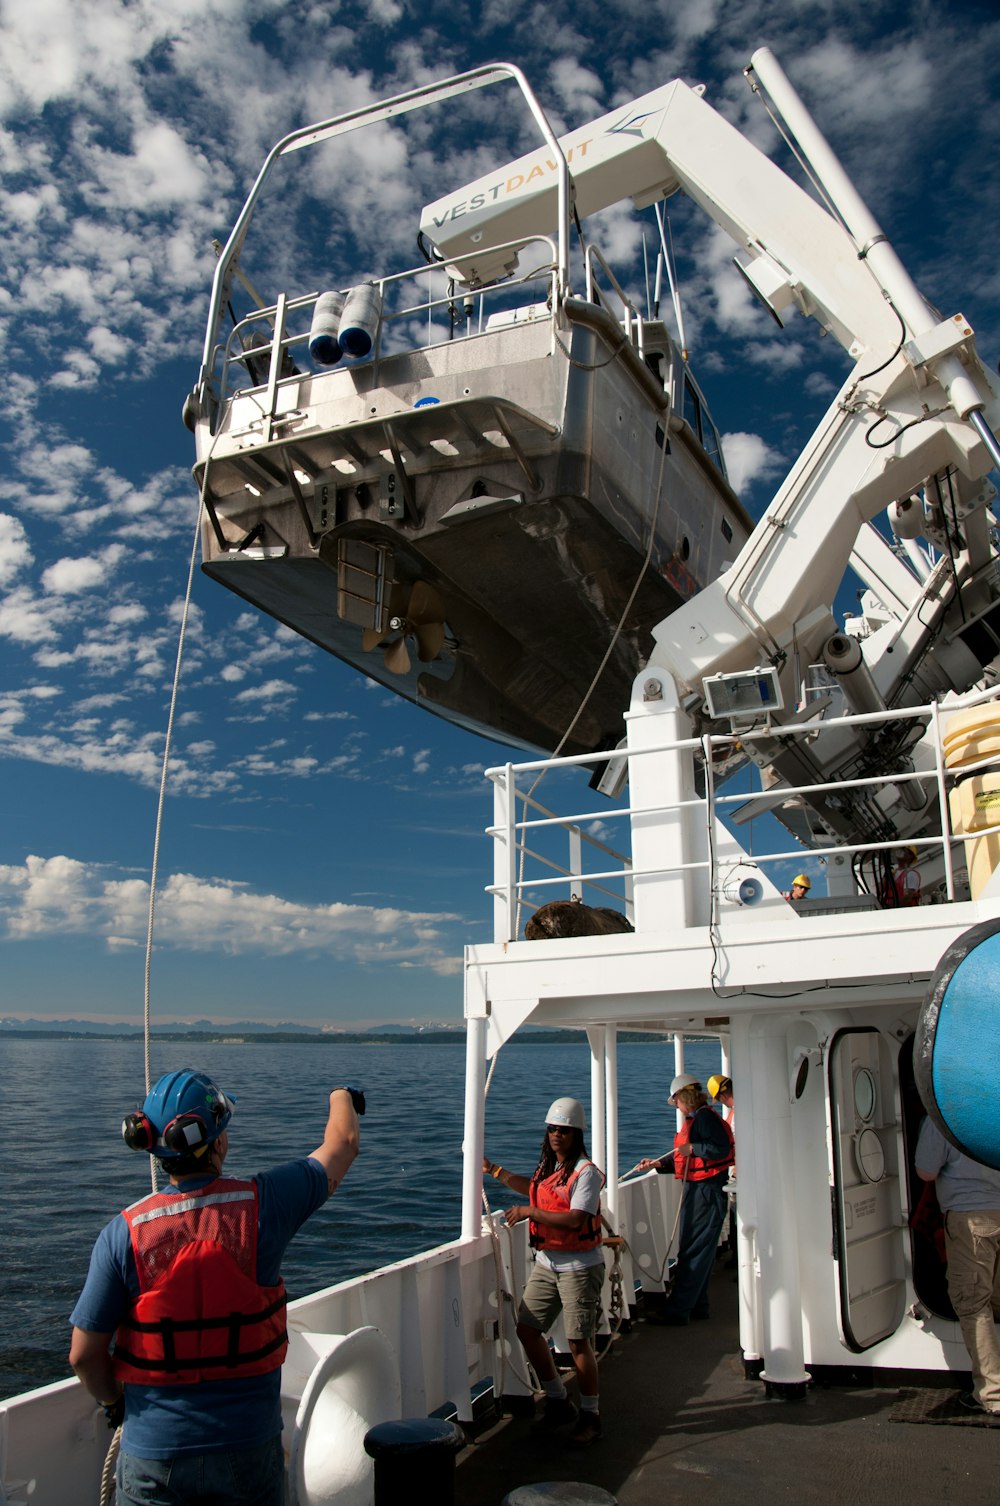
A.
pixel 713 445
pixel 697 416
pixel 692 407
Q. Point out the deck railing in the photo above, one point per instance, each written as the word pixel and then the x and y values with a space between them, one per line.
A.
pixel 541 854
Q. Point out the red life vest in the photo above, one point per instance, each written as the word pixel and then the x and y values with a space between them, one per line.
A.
pixel 554 1196
pixel 200 1314
pixel 699 1169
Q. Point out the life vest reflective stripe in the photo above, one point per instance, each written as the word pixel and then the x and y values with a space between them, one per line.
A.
pixel 555 1196
pixel 699 1169
pixel 200 1314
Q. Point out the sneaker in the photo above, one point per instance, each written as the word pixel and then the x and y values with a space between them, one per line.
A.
pixel 587 1430
pixel 970 1401
pixel 558 1412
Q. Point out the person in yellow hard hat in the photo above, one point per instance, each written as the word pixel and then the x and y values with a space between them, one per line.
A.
pixel 720 1090
pixel 799 889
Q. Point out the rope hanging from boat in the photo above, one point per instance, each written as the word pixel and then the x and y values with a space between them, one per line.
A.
pixel 108 1492
pixel 161 799
pixel 619 628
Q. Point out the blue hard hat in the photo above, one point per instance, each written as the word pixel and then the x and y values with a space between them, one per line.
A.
pixel 188 1111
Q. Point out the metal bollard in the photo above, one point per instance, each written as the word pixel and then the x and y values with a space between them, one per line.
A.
pixel 414 1460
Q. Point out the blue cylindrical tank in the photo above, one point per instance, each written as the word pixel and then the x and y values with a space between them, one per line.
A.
pixel 324 346
pixel 360 320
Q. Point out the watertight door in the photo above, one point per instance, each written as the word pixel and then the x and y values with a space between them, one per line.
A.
pixel 867 1209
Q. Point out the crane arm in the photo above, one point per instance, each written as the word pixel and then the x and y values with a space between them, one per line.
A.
pixel 669 140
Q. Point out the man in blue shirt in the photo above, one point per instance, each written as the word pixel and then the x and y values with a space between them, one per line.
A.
pixel 969 1197
pixel 198 1383
pixel 701 1159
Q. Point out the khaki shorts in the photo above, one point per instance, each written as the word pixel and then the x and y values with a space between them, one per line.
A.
pixel 577 1294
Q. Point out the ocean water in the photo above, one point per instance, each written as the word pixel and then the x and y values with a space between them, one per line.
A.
pixel 64 1170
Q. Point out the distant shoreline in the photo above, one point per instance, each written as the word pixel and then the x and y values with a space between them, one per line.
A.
pixel 327 1038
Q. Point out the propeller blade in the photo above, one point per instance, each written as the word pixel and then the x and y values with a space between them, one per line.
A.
pixel 397 658
pixel 430 638
pixel 371 638
pixel 424 605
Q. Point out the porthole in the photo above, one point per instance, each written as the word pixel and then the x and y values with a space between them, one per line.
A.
pixel 864 1094
pixel 869 1155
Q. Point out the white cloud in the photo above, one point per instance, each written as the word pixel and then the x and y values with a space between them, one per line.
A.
pixel 69 576
pixel 62 896
pixel 579 89
pixel 748 459
pixel 271 690
pixel 15 551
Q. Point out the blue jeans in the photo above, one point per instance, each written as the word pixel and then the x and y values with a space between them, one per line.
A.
pixel 702 1215
pixel 252 1476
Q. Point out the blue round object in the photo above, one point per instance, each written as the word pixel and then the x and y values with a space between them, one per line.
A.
pixel 956 1052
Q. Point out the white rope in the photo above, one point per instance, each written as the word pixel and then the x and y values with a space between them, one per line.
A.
pixel 164 771
pixel 596 677
pixel 108 1490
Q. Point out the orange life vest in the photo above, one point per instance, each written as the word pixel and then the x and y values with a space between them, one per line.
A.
pixel 200 1314
pixel 554 1196
pixel 699 1169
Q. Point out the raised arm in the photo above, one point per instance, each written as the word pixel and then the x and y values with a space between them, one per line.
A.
pixel 341 1139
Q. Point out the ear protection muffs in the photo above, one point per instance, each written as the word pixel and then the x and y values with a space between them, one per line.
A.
pixel 139 1131
pixel 187 1134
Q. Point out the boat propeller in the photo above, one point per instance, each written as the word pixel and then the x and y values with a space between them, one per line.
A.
pixel 419 616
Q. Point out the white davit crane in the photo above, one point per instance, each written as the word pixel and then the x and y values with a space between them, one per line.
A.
pixel 911 430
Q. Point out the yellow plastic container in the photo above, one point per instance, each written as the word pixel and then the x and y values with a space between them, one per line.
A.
pixel 970 737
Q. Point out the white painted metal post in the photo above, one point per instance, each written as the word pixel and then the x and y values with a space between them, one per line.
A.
pixel 746 1196
pixel 575 862
pixel 678 1069
pixel 472 1140
pixel 777 1236
pixel 610 1166
pixel 598 1139
pixel 662 839
pixel 504 856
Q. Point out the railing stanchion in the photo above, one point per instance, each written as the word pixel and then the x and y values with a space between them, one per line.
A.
pixel 949 873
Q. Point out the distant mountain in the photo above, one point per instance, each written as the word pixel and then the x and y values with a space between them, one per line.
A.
pixel 215 1027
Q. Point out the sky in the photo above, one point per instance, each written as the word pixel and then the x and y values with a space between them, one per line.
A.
pixel 322 856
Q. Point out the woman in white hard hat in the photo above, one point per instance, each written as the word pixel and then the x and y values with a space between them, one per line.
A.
pixel 702 1155
pixel 564 1229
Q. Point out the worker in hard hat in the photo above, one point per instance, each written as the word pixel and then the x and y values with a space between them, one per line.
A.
pixel 187 1283
pixel 564 1231
pixel 720 1090
pixel 703 1153
pixel 800 887
pixel 907 880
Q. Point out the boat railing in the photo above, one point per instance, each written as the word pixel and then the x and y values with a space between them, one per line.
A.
pixel 527 874
pixel 410 320
pixel 309 136
pixel 629 317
